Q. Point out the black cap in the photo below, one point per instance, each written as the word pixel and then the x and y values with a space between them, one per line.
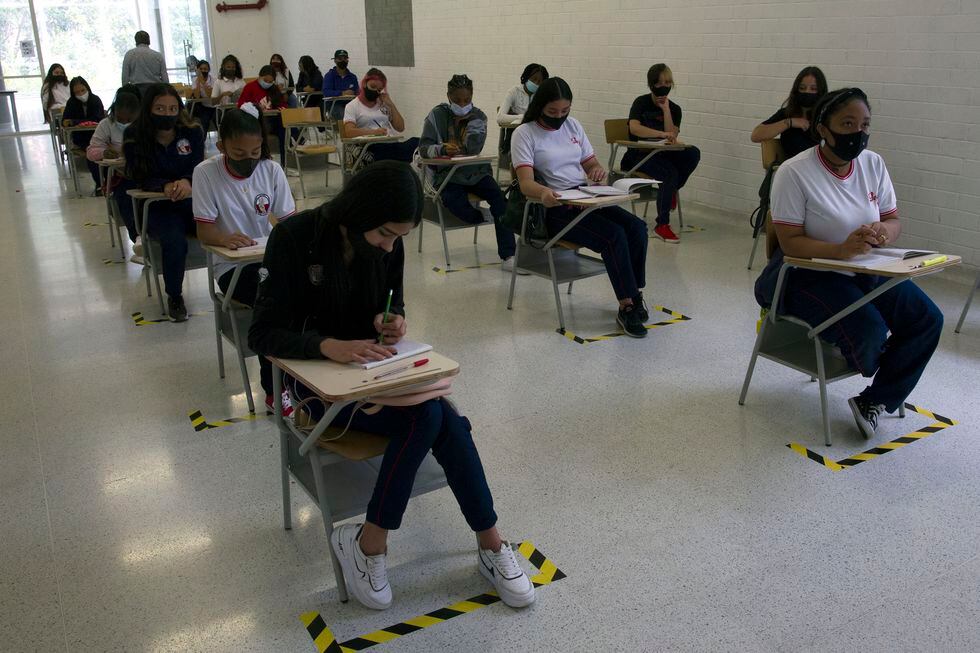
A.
pixel 341 53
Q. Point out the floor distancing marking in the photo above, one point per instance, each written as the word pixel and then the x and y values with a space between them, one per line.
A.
pixel 112 261
pixel 139 320
pixel 325 641
pixel 465 267
pixel 940 424
pixel 201 424
pixel 94 224
pixel 675 319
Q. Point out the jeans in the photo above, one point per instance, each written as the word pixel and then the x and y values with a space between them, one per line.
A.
pixel 618 235
pixel 413 432
pixel 245 291
pixel 671 168
pixel 895 361
pixel 455 198
pixel 171 223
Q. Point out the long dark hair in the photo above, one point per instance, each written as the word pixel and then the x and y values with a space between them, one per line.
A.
pixel 551 89
pixel 238 66
pixel 49 82
pixel 792 104
pixel 830 104
pixel 237 122
pixel 531 69
pixel 360 207
pixel 126 101
pixel 79 80
pixel 143 135
pixel 273 92
pixel 307 65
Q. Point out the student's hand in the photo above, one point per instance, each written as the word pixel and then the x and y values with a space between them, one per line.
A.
pixel 880 233
pixel 355 351
pixel 859 242
pixel 451 149
pixel 236 240
pixel 265 104
pixel 800 123
pixel 550 198
pixel 381 131
pixel 597 174
pixel 393 330
pixel 308 89
pixel 660 101
pixel 348 92
pixel 110 153
pixel 178 190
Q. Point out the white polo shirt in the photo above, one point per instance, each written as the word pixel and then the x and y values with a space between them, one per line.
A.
pixel 365 117
pixel 230 87
pixel 240 204
pixel 806 192
pixel 556 155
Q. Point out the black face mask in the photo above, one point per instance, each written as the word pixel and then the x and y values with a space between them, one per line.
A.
pixel 661 91
pixel 60 79
pixel 163 123
pixel 552 122
pixel 242 167
pixel 228 73
pixel 807 99
pixel 848 146
pixel 371 95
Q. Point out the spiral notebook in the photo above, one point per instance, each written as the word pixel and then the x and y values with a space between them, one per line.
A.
pixel 405 349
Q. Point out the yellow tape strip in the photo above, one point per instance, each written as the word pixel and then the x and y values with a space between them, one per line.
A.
pixel 325 642
pixel 110 261
pixel 940 424
pixel 201 424
pixel 677 318
pixel 439 270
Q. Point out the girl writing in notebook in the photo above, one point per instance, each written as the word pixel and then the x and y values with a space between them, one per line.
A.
pixel 551 153
pixel 457 128
pixel 836 201
pixel 237 195
pixel 325 285
pixel 161 148
pixel 374 113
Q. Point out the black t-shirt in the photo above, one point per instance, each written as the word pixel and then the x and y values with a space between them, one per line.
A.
pixel 794 139
pixel 651 116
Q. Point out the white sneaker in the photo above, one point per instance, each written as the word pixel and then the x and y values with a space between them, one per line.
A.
pixel 366 576
pixel 507 265
pixel 502 569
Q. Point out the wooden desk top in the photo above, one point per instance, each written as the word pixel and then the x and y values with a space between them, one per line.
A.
pixel 146 194
pixel 899 268
pixel 7 92
pixel 333 98
pixel 252 254
pixel 371 139
pixel 605 200
pixel 339 382
pixel 112 163
pixel 80 128
pixel 650 145
pixel 458 161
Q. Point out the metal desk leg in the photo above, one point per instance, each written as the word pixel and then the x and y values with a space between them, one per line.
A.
pixel 217 315
pixel 969 300
pixel 554 285
pixel 13 112
pixel 822 378
pixel 442 228
pixel 287 517
pixel 752 361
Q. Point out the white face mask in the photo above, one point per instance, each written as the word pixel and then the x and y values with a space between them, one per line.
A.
pixel 460 111
pixel 83 97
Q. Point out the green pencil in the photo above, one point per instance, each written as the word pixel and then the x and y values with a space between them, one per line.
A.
pixel 384 320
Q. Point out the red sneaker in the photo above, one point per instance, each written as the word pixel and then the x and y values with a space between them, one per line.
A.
pixel 666 234
pixel 287 404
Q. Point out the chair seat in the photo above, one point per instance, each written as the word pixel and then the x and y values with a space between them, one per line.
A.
pixel 567 244
pixel 316 149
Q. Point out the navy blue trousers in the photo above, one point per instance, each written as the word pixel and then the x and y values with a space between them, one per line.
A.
pixel 455 198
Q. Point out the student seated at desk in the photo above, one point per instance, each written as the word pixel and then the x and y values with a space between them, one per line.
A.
pixel 515 104
pixel 340 80
pixel 203 88
pixel 374 113
pixel 84 106
pixel 355 241
pixel 284 78
pixel 162 147
pixel 836 201
pixel 55 92
pixel 236 195
pixel 457 128
pixel 552 146
pixel 791 124
pixel 265 94
pixel 229 84
pixel 107 143
pixel 654 117
pixel 310 81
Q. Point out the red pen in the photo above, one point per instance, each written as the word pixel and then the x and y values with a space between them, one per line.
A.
pixel 418 363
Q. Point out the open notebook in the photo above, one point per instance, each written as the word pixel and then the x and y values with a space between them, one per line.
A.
pixel 258 246
pixel 880 257
pixel 619 187
pixel 405 349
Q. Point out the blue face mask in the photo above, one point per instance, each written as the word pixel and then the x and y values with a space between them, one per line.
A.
pixel 531 87
pixel 264 84
pixel 460 111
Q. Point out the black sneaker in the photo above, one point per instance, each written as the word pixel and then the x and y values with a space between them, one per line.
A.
pixel 176 309
pixel 629 321
pixel 641 308
pixel 865 415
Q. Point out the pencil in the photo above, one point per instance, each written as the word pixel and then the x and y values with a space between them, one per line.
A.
pixel 384 320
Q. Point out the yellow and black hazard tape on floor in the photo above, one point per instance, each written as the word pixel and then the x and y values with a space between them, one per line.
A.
pixel 675 318
pixel 139 320
pixel 112 261
pixel 201 424
pixel 325 641
pixel 439 270
pixel 940 424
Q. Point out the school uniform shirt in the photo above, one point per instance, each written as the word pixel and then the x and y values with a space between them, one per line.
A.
pixel 242 204
pixel 557 156
pixel 254 93
pixel 651 116
pixel 284 82
pixel 227 87
pixel 108 135
pixel 335 84
pixel 61 94
pixel 365 117
pixel 175 161
pixel 514 106
pixel 808 193
pixel 203 88
pixel 794 140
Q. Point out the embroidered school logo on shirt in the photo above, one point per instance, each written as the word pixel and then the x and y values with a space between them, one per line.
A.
pixel 183 146
pixel 316 274
pixel 262 204
pixel 873 197
pixel 576 141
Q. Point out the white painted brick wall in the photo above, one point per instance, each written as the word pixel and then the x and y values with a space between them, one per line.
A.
pixel 733 62
pixel 245 34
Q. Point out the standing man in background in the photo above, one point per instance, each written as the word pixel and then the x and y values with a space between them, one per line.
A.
pixel 143 66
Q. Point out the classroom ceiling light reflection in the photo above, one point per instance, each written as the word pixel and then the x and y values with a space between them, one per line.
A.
pixel 210 635
pixel 165 547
